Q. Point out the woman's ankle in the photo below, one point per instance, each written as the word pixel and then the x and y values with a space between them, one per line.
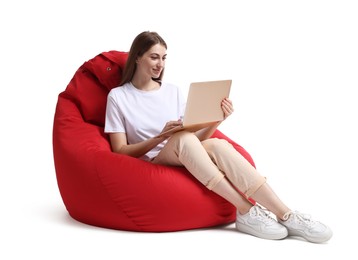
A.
pixel 244 209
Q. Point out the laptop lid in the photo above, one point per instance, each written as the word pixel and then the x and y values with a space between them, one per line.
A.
pixel 204 101
pixel 203 107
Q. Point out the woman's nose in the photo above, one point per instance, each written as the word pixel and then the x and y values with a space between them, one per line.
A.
pixel 161 63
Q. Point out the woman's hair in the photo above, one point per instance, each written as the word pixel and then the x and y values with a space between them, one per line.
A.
pixel 141 44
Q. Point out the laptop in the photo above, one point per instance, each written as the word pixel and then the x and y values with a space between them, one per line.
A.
pixel 203 107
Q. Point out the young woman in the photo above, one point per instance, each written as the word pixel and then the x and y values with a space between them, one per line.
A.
pixel 143 107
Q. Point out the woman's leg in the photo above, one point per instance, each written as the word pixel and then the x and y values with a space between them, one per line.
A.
pixel 225 189
pixel 236 168
pixel 240 173
pixel 211 161
pixel 185 149
pixel 268 198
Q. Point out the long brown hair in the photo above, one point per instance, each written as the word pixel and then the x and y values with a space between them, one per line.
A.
pixel 141 44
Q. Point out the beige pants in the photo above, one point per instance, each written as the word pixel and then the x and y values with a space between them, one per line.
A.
pixel 210 161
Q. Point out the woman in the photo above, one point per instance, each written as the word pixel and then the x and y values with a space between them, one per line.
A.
pixel 143 107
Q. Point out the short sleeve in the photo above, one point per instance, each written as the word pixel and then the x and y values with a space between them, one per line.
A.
pixel 114 122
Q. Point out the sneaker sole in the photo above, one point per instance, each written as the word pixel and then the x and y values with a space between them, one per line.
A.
pixel 311 239
pixel 248 230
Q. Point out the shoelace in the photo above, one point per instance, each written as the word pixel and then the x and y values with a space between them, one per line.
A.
pixel 300 218
pixel 263 214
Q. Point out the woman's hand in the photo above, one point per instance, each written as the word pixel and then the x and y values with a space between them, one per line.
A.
pixel 227 107
pixel 170 125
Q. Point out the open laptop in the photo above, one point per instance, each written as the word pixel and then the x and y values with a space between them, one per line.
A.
pixel 203 107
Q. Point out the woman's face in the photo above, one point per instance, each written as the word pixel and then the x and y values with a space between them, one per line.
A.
pixel 152 63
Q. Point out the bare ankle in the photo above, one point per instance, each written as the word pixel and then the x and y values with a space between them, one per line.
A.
pixel 243 209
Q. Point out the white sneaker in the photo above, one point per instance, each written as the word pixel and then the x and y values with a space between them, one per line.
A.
pixel 302 225
pixel 259 223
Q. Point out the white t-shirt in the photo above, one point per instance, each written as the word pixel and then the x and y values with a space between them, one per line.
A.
pixel 143 114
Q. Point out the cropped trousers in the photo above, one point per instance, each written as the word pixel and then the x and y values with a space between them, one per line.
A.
pixel 210 161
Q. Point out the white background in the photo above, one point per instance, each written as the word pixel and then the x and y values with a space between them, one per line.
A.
pixel 294 69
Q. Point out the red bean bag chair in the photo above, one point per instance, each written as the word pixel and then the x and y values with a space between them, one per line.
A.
pixel 109 190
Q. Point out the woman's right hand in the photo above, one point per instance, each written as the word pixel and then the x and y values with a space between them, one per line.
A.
pixel 168 126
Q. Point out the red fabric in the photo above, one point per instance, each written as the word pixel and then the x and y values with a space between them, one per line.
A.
pixel 110 190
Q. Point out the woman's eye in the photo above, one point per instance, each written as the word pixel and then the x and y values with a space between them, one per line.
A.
pixel 156 58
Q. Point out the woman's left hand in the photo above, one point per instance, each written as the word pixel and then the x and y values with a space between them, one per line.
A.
pixel 227 107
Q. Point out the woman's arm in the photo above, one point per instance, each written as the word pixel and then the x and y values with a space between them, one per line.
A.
pixel 120 145
pixel 228 109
